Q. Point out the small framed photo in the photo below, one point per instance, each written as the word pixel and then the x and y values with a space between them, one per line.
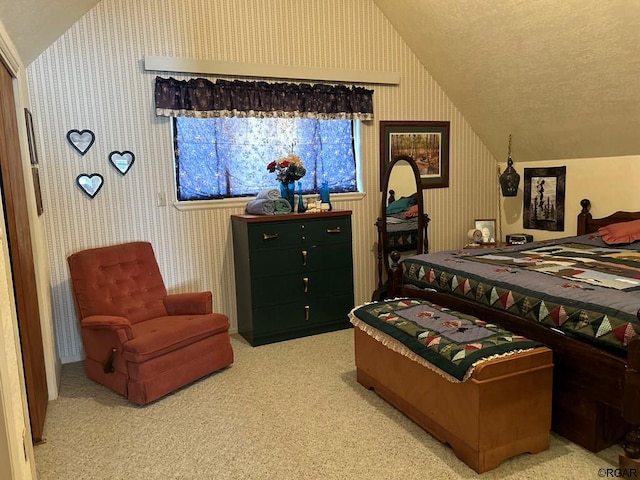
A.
pixel 488 228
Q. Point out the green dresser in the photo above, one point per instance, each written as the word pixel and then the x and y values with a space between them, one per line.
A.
pixel 294 274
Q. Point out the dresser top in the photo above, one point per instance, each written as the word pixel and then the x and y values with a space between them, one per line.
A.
pixel 245 217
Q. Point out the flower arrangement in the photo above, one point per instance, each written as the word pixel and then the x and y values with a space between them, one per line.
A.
pixel 289 168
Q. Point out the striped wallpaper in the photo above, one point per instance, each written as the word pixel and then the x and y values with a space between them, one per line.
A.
pixel 92 78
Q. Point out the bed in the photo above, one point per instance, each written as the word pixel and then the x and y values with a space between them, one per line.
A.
pixel 596 348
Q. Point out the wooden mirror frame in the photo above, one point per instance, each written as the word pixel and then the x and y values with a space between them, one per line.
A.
pixel 422 245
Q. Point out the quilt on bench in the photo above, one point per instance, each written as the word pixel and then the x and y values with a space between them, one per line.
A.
pixel 448 342
pixel 576 285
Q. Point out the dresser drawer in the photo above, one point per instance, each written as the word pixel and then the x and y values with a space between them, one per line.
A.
pixel 327 231
pixel 302 287
pixel 305 233
pixel 268 263
pixel 298 316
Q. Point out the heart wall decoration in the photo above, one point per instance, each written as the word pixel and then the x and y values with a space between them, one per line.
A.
pixel 122 160
pixel 90 183
pixel 81 140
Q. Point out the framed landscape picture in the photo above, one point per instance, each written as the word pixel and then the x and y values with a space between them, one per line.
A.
pixel 427 143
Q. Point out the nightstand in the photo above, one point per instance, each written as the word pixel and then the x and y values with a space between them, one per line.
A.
pixel 485 245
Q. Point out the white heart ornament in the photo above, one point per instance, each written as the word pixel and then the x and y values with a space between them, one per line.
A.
pixel 90 183
pixel 81 140
pixel 122 160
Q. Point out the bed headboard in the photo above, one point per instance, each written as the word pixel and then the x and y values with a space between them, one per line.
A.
pixel 588 224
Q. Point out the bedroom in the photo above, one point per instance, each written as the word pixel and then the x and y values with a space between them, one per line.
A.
pixel 72 81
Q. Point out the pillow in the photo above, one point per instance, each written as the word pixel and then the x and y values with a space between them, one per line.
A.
pixel 618 233
pixel 412 212
pixel 401 205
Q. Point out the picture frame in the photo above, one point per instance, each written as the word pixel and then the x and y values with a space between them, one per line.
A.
pixel 426 142
pixel 488 228
pixel 35 173
pixel 543 202
pixel 33 153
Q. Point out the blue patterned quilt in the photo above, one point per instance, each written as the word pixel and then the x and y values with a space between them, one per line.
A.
pixel 577 285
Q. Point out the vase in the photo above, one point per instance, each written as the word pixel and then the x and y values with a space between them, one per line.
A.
pixel 287 191
pixel 324 194
pixel 301 206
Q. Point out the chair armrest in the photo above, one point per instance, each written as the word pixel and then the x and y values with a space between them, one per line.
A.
pixel 103 337
pixel 112 323
pixel 196 303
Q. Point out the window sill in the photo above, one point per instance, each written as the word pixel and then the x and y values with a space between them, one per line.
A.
pixel 241 202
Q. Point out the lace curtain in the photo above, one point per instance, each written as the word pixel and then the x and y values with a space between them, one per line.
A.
pixel 202 98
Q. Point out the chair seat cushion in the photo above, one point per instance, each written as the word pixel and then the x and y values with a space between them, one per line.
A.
pixel 161 335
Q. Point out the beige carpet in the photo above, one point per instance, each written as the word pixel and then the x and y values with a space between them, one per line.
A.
pixel 290 410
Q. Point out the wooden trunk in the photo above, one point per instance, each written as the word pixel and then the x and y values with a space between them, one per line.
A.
pixel 503 410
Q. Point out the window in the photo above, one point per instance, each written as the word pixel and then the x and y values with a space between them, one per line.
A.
pixel 225 157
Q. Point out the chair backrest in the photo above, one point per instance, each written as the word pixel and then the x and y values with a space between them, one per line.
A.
pixel 121 280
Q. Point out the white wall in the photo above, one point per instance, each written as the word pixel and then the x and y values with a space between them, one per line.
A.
pixel 92 78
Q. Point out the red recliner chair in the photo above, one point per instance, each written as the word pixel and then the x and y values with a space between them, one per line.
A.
pixel 138 340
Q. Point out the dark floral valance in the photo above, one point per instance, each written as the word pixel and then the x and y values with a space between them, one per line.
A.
pixel 200 97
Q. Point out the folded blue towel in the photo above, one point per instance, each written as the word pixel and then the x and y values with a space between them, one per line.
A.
pixel 261 206
pixel 282 206
pixel 270 194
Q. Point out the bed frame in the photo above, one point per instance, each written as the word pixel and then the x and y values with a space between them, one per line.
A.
pixel 596 394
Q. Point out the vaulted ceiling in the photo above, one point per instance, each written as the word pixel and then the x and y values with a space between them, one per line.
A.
pixel 33 25
pixel 561 76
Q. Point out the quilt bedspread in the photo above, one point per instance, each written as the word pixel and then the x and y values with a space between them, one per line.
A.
pixel 576 285
pixel 450 342
pixel 402 233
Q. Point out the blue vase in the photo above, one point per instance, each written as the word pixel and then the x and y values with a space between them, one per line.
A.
pixel 324 194
pixel 301 206
pixel 287 191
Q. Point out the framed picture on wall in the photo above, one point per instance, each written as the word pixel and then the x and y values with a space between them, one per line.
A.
pixel 543 207
pixel 427 143
pixel 36 187
pixel 33 153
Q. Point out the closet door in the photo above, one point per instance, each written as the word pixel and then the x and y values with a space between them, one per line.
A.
pixel 14 199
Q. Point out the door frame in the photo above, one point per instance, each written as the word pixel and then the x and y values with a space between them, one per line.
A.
pixel 18 445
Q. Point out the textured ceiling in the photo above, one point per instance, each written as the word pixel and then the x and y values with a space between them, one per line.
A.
pixel 33 25
pixel 561 76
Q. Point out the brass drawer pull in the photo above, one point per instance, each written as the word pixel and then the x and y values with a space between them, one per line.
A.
pixel 269 236
pixel 305 283
pixel 306 312
pixel 304 258
pixel 333 230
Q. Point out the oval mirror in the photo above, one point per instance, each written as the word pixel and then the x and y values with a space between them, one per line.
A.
pixel 402 223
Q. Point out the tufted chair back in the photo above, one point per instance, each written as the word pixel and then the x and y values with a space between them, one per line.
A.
pixel 122 280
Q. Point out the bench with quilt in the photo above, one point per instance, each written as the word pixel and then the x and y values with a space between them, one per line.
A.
pixel 473 385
